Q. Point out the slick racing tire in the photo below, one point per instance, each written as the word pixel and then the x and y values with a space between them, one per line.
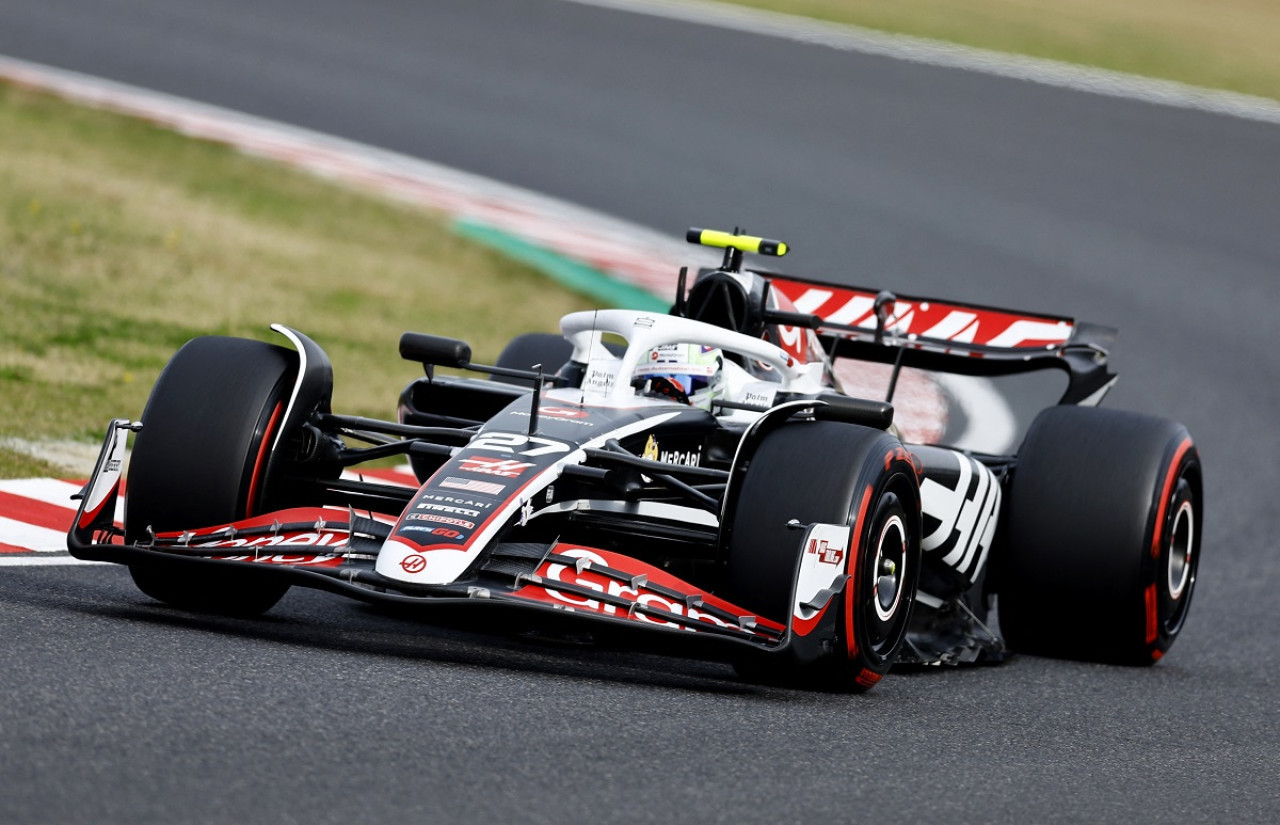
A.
pixel 1103 537
pixel 835 473
pixel 202 459
pixel 526 351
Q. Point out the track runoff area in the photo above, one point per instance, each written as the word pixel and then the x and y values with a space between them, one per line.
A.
pixel 614 261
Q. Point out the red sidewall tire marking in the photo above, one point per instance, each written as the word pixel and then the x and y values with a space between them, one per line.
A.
pixel 1165 492
pixel 851 587
pixel 263 449
pixel 1151 595
pixel 1153 616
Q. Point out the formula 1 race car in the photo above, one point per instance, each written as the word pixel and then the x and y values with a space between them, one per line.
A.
pixel 811 481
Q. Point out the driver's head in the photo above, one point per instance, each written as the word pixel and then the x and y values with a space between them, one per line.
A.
pixel 689 373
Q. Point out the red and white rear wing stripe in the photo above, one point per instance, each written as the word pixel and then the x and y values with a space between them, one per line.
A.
pixel 850 310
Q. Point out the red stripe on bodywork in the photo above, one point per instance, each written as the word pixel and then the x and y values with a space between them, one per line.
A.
pixel 803 627
pixel 851 587
pixel 294 514
pixel 88 516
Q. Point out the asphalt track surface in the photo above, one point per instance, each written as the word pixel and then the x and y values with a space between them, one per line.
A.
pixel 1160 221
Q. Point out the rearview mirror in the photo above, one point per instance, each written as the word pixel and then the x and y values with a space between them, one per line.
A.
pixel 435 349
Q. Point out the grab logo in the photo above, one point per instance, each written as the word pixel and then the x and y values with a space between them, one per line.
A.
pixel 290 560
pixel 583 577
pixel 308 539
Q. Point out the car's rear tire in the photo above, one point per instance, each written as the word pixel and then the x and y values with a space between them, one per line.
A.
pixel 1102 542
pixel 202 458
pixel 834 473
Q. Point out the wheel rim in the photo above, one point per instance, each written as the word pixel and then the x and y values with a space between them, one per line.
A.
pixel 1180 558
pixel 890 567
pixel 887 581
pixel 1181 544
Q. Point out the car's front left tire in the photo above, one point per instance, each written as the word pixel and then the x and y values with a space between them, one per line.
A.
pixel 841 474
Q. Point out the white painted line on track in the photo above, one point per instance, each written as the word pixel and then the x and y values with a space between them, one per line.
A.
pixel 45 490
pixel 33 537
pixel 950 56
pixel 47 561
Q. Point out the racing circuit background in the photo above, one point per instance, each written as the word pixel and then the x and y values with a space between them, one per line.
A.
pixel 1123 204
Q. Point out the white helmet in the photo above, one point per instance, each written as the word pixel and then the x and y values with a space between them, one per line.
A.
pixel 689 373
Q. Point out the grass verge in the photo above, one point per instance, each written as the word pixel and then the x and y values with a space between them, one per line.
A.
pixel 1223 44
pixel 119 241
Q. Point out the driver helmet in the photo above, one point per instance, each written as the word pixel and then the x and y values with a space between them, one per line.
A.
pixel 689 373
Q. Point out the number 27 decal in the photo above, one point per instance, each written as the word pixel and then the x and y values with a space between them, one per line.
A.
pixel 512 442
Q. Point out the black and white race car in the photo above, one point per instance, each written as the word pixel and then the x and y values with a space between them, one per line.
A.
pixel 813 482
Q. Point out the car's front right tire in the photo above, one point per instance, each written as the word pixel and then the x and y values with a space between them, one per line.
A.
pixel 202 458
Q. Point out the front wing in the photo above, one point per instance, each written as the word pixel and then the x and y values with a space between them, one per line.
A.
pixel 334 549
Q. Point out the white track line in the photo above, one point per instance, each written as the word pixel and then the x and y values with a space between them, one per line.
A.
pixel 36 539
pixel 46 490
pixel 46 561
pixel 947 55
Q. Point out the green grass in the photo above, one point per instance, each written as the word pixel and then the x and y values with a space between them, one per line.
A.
pixel 120 241
pixel 14 464
pixel 1225 44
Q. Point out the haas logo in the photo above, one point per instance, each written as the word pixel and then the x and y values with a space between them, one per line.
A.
pixel 493 466
pixel 825 552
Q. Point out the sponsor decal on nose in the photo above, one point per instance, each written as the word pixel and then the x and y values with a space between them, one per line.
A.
pixel 487 465
pixel 471 485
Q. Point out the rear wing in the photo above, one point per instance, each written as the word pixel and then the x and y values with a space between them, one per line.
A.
pixel 948 336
